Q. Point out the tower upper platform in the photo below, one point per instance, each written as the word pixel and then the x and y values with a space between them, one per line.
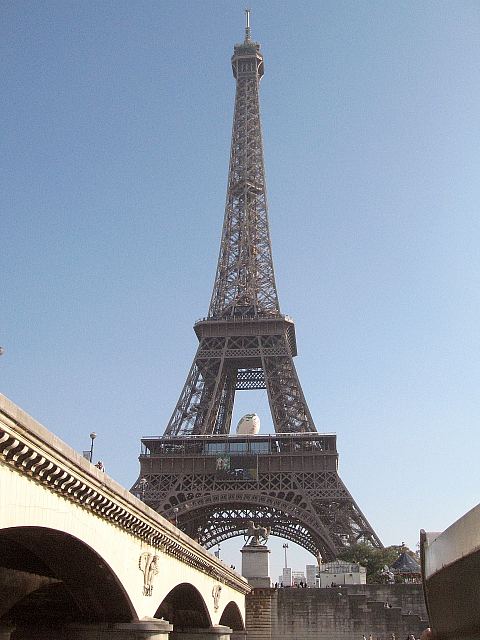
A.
pixel 247 59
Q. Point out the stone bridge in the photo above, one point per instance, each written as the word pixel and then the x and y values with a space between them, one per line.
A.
pixel 83 559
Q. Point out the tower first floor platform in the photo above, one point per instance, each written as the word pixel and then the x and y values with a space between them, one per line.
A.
pixel 212 486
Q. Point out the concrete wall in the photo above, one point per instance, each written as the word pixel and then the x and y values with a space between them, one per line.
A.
pixel 336 614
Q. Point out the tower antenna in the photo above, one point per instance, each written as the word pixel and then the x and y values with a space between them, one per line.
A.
pixel 247 25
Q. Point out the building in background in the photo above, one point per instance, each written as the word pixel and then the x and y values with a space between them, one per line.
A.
pixel 298 579
pixel 339 573
pixel 286 577
pixel 311 571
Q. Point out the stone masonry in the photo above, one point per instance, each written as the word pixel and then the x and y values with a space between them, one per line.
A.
pixel 344 613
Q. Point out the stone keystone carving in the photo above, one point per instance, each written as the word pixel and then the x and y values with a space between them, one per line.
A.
pixel 216 592
pixel 148 565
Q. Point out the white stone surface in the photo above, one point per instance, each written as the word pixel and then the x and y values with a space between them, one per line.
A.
pixel 459 540
pixel 249 425
pixel 256 565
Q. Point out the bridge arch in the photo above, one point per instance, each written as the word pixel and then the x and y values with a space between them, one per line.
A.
pixel 49 575
pixel 231 617
pixel 185 608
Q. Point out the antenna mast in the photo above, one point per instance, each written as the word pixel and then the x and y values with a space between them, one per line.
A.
pixel 247 25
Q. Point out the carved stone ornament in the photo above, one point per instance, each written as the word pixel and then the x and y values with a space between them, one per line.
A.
pixel 148 565
pixel 216 592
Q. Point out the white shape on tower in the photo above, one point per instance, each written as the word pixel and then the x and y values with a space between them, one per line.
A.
pixel 249 425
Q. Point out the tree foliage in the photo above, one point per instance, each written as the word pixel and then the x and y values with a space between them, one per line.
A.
pixel 372 558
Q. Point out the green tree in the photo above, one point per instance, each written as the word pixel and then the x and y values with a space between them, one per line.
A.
pixel 372 558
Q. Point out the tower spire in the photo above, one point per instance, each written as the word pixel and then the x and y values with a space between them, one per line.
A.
pixel 247 25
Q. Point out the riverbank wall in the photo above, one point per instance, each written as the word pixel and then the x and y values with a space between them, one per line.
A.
pixel 339 613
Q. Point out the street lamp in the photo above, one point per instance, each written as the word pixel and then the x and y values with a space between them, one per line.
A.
pixel 143 485
pixel 93 435
pixel 285 547
pixel 175 511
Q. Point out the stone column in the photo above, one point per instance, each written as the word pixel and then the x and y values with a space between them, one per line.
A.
pixel 217 632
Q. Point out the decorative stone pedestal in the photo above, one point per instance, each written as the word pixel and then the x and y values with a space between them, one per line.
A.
pixel 255 565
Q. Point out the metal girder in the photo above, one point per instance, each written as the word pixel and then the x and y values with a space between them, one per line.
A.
pixel 224 365
pixel 250 379
pixel 314 510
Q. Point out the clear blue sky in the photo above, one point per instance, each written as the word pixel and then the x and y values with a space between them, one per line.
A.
pixel 116 120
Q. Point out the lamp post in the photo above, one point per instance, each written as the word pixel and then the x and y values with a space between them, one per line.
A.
pixel 93 435
pixel 285 547
pixel 175 511
pixel 143 485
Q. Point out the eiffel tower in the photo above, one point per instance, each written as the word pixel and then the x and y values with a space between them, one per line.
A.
pixel 211 483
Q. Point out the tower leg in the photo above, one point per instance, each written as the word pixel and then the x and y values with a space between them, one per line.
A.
pixel 289 409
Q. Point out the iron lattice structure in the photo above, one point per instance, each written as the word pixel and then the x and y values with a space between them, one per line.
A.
pixel 191 474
